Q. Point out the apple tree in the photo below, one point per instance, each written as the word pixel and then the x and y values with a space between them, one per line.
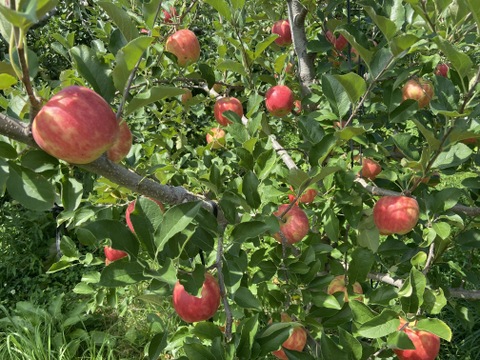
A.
pixel 359 101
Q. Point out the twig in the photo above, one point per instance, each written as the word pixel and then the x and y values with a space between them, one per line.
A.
pixel 431 254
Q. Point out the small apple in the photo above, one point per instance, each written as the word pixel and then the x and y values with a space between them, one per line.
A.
pixel 131 207
pixel 427 345
pixel 76 125
pixel 143 31
pixel 122 144
pixel 289 68
pixel 167 15
pixel 225 104
pixel 282 29
pixel 370 168
pixel 338 285
pixel 112 254
pixel 442 70
pixel 418 89
pixel 187 95
pixel 279 100
pixel 294 224
pixel 306 198
pixel 297 107
pixel 185 46
pixel 216 138
pixel 296 341
pixel 395 214
pixel 339 124
pixel 192 308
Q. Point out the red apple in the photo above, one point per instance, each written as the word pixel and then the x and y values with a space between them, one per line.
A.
pixel 418 89
pixel 112 254
pixel 282 29
pixel 294 224
pixel 225 104
pixel 192 308
pixel 370 168
pixel 167 15
pixel 185 46
pixel 187 95
pixel 442 70
pixel 427 345
pixel 216 138
pixel 306 198
pixel 76 125
pixel 122 144
pixel 395 214
pixel 338 285
pixel 340 42
pixel 131 207
pixel 296 341
pixel 279 100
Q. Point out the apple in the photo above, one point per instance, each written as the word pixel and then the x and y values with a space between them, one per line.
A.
pixel 306 198
pixel 216 138
pixel 296 341
pixel 289 68
pixel 131 207
pixel 442 70
pixel 225 104
pixel 338 42
pixel 294 224
pixel 122 144
pixel 395 214
pixel 418 89
pixel 279 100
pixel 187 95
pixel 192 308
pixel 167 15
pixel 340 124
pixel 427 345
pixel 297 107
pixel 338 285
pixel 143 31
pixel 370 168
pixel 185 46
pixel 112 254
pixel 76 125
pixel 282 29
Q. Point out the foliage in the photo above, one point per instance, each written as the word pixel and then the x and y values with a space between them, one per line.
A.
pixel 101 45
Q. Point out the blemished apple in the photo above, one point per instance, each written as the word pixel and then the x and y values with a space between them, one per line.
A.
pixel 76 125
pixel 131 207
pixel 427 345
pixel 338 285
pixel 185 46
pixel 294 224
pixel 282 29
pixel 191 308
pixel 420 90
pixel 442 70
pixel 122 144
pixel 216 138
pixel 279 100
pixel 370 169
pixel 225 104
pixel 112 254
pixel 296 341
pixel 167 15
pixel 306 198
pixel 395 214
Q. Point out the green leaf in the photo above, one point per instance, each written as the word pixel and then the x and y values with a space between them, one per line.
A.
pixel 385 25
pixel 411 293
pixel 368 235
pixel 336 95
pixel 249 230
pixel 68 248
pixel 158 343
pixel 249 328
pixel 121 273
pixel 146 218
pixel 7 151
pixel 153 94
pixel 364 53
pixel 7 81
pixel 361 313
pixel 350 344
pixel 29 12
pixel 360 265
pixel 30 189
pixel 475 9
pixel 381 325
pixel 245 299
pixel 250 189
pixel 402 43
pixel 230 65
pixel 429 135
pixel 175 220
pixel 265 164
pixel 72 191
pixel 196 351
pixel 434 301
pixel 206 330
pixel 121 19
pixel 330 349
pixel 453 157
pixel 117 232
pixel 459 60
pixel 435 326
pixel 273 336
pixel 126 59
pixel 263 45
pixel 354 85
pixel 222 8
pixel 331 224
pixel 94 70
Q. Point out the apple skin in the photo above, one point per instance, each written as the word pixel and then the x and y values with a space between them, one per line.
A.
pixel 185 46
pixel 191 308
pixel 282 29
pixel 306 198
pixel 418 89
pixel 395 214
pixel 295 226
pixel 442 70
pixel 216 138
pixel 76 125
pixel 225 104
pixel 122 144
pixel 296 341
pixel 112 254
pixel 370 168
pixel 338 285
pixel 167 15
pixel 131 207
pixel 279 100
pixel 427 345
